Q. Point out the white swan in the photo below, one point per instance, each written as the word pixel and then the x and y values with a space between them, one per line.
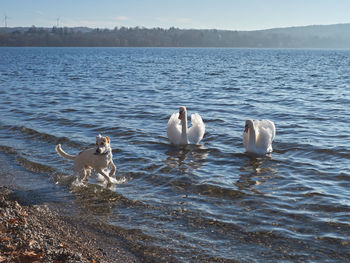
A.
pixel 258 136
pixel 180 134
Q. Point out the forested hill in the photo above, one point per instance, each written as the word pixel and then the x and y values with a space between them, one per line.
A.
pixel 329 36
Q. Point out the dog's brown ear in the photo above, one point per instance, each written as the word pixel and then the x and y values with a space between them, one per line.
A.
pixel 107 139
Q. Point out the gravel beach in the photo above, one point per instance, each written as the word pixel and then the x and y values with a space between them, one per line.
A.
pixel 38 234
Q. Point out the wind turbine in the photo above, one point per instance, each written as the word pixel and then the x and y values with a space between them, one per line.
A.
pixel 5 19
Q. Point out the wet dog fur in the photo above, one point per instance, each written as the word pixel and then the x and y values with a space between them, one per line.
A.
pixel 96 159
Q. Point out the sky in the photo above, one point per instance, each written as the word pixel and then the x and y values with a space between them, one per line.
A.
pixel 184 14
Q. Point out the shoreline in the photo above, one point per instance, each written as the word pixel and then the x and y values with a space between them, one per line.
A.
pixel 37 233
pixel 35 225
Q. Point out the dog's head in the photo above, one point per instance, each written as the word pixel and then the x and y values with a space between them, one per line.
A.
pixel 102 144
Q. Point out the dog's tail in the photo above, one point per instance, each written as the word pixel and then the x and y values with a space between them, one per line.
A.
pixel 63 153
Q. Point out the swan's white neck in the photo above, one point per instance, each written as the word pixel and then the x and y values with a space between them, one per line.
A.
pixel 252 136
pixel 184 128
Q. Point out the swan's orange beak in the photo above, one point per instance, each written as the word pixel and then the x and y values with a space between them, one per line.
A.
pixel 246 128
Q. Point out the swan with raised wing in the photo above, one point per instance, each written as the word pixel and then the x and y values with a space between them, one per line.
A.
pixel 179 133
pixel 258 136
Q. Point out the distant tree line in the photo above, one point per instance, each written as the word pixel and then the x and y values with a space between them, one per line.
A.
pixel 172 37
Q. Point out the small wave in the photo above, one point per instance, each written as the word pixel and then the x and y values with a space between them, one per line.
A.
pixel 7 149
pixel 218 73
pixel 314 75
pixel 34 134
pixel 34 166
pixel 96 197
pixel 24 162
pixel 70 123
pixel 20 112
pixel 218 191
pixel 214 121
pixel 68 110
pixel 78 184
pixel 310 150
pixel 342 177
pixel 114 180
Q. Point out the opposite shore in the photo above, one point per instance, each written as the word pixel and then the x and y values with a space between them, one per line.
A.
pixel 321 36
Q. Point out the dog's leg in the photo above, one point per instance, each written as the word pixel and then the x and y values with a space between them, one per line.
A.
pixel 87 172
pixel 100 171
pixel 83 176
pixel 80 171
pixel 114 169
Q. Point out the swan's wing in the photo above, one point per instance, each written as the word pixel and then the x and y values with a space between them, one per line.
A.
pixel 267 133
pixel 269 127
pixel 196 132
pixel 174 129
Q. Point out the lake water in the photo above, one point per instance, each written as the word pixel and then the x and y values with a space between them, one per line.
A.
pixel 209 202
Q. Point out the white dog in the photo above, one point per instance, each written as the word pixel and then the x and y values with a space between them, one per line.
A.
pixel 97 159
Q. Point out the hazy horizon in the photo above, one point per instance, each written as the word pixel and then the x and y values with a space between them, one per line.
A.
pixel 238 15
pixel 166 28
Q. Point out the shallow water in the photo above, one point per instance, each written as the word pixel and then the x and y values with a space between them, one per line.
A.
pixel 201 202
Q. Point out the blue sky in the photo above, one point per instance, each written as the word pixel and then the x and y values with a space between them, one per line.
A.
pixel 200 14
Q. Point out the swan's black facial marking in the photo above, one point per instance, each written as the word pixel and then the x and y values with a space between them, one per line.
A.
pixel 181 112
pixel 246 128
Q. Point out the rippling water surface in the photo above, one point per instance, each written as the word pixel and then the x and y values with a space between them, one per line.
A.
pixel 207 202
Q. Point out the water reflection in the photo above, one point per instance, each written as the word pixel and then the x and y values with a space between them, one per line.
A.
pixel 259 165
pixel 184 157
pixel 255 171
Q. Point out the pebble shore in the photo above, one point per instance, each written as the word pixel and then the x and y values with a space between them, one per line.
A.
pixel 37 234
